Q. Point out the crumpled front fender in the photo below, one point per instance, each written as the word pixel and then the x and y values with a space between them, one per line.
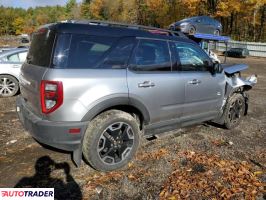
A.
pixel 235 83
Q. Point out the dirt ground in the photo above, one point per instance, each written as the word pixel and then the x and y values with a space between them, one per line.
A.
pixel 199 162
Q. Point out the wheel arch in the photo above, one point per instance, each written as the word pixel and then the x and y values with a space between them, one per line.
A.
pixel 132 106
pixel 10 75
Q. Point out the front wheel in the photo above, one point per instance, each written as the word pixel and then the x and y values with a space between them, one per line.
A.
pixel 191 30
pixel 217 32
pixel 111 140
pixel 234 110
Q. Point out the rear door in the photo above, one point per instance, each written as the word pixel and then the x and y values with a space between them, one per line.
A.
pixel 203 90
pixel 152 83
pixel 37 63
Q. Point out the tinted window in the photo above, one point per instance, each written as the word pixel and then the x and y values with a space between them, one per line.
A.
pixel 41 48
pixel 61 51
pixel 198 19
pixel 87 51
pixel 152 55
pixel 191 58
pixel 119 55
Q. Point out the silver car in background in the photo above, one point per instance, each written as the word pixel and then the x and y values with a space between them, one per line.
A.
pixel 10 64
pixel 198 24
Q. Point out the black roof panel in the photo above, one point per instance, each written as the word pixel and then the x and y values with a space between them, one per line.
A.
pixel 113 31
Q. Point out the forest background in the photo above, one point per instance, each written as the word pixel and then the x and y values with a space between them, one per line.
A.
pixel 242 20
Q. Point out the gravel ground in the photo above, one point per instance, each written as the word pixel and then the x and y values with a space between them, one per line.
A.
pixel 23 161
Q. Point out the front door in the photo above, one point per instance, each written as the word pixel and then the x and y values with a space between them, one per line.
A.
pixel 203 90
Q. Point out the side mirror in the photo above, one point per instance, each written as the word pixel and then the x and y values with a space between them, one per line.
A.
pixel 216 68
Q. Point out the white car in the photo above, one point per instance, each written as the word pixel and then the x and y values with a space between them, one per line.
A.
pixel 10 64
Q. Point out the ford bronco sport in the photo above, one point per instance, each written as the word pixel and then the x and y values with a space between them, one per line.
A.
pixel 94 88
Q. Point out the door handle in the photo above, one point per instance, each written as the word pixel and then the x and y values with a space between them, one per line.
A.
pixel 146 84
pixel 194 82
pixel 16 66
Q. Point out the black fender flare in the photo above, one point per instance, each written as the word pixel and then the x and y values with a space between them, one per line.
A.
pixel 108 102
pixel 102 105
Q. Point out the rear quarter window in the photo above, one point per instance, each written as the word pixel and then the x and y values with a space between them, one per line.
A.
pixel 81 51
pixel 41 48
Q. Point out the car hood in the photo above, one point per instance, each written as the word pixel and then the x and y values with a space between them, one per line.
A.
pixel 235 68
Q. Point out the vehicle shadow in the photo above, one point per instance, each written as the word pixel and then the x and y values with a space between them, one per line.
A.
pixel 44 166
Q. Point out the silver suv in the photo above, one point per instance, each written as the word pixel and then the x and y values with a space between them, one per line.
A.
pixel 95 88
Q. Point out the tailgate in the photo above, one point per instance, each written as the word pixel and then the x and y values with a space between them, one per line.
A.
pixel 30 80
pixel 36 65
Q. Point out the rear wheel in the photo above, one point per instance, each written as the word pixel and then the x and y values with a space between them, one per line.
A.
pixel 9 86
pixel 191 30
pixel 234 111
pixel 111 140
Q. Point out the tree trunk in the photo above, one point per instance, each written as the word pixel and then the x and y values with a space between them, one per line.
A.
pixel 231 23
pixel 262 21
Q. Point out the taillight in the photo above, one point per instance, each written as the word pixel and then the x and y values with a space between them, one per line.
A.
pixel 51 95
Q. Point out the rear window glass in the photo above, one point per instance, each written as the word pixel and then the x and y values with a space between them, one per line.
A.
pixel 81 51
pixel 41 48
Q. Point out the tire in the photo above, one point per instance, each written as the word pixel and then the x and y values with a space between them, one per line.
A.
pixel 216 32
pixel 9 86
pixel 191 30
pixel 234 111
pixel 106 136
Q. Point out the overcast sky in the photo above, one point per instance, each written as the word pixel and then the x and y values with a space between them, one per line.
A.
pixel 32 3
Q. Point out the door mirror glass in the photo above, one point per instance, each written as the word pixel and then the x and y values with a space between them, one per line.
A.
pixel 217 68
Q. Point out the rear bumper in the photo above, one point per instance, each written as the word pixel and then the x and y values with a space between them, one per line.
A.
pixel 55 134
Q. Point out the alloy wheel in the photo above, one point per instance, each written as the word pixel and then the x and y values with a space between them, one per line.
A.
pixel 116 143
pixel 7 87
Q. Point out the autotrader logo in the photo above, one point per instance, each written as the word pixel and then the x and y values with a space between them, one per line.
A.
pixel 26 193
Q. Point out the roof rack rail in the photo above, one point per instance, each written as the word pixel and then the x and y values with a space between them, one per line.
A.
pixel 131 26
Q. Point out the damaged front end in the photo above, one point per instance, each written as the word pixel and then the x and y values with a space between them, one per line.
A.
pixel 234 81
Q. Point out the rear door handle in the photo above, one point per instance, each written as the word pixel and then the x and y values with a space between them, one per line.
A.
pixel 194 82
pixel 15 65
pixel 146 84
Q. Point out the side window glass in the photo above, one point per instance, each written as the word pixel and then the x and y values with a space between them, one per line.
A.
pixel 119 55
pixel 152 55
pixel 13 58
pixel 22 56
pixel 61 52
pixel 191 57
pixel 87 51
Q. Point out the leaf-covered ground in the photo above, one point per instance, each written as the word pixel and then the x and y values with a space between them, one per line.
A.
pixel 208 176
